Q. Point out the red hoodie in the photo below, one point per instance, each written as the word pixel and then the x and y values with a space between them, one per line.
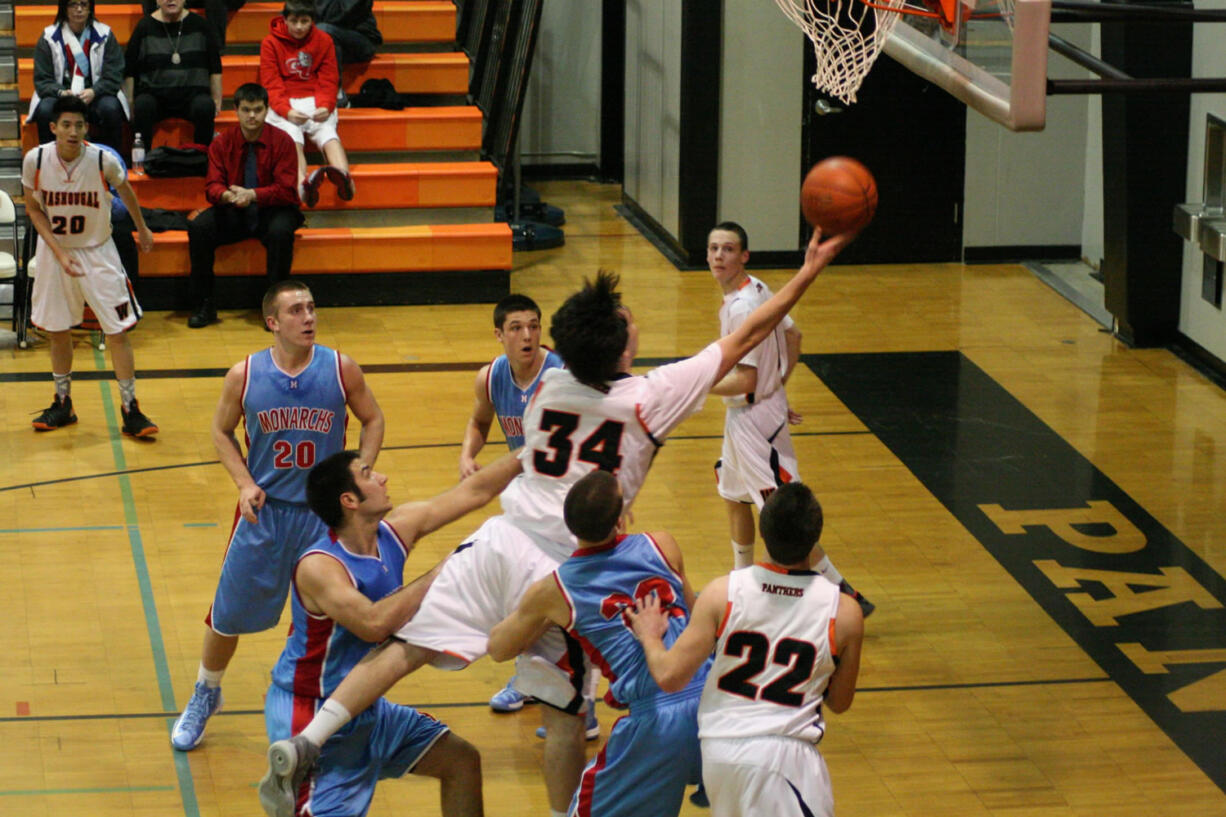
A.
pixel 291 68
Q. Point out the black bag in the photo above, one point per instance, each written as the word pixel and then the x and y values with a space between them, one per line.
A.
pixel 189 160
pixel 377 93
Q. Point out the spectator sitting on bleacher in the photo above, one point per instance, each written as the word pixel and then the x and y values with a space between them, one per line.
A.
pixel 251 185
pixel 298 67
pixel 173 69
pixel 79 56
pixel 216 13
pixel 351 25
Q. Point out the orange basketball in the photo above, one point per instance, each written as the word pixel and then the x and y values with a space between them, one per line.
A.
pixel 839 195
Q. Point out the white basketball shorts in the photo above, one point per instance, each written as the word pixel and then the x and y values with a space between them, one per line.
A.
pixel 748 777
pixel 480 585
pixel 58 299
pixel 321 133
pixel 757 455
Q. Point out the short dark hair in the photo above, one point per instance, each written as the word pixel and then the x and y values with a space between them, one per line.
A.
pixel 325 484
pixel 593 506
pixel 733 227
pixel 589 331
pixel 61 14
pixel 299 8
pixel 68 104
pixel 269 304
pixel 791 523
pixel 513 303
pixel 250 92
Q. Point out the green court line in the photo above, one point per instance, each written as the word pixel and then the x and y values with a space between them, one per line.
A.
pixel 187 787
pixel 199 524
pixel 110 790
pixel 56 530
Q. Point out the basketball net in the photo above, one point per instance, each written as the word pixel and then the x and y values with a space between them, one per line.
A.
pixel 847 37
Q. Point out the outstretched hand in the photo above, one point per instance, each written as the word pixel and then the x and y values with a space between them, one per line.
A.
pixel 647 617
pixel 819 253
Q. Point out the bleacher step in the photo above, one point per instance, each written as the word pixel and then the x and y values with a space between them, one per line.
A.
pixel 442 73
pixel 416 21
pixel 379 186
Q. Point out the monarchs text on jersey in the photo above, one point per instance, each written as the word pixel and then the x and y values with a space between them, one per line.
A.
pixel 774 656
pixel 292 421
pixel 75 195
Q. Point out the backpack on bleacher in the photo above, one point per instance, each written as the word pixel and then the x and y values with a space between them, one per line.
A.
pixel 188 160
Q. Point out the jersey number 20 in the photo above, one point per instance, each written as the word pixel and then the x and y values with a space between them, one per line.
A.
pixel 601 448
pixel 62 225
pixel 799 656
pixel 289 455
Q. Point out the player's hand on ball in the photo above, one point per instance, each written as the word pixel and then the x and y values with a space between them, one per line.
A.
pixel 647 618
pixel 250 500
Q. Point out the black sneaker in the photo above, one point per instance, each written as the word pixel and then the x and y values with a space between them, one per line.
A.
pixel 866 606
pixel 203 316
pixel 58 415
pixel 136 424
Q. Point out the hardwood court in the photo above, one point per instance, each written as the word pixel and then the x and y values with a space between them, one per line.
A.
pixel 973 699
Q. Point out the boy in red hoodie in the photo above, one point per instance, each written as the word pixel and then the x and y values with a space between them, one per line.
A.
pixel 298 67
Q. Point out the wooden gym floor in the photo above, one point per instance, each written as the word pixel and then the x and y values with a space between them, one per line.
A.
pixel 1019 663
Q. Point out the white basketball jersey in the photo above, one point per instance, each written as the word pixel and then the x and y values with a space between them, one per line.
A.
pixel 773 658
pixel 76 197
pixel 770 356
pixel 571 429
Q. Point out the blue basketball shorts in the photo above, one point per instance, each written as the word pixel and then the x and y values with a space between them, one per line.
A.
pixel 258 566
pixel 386 740
pixel 650 757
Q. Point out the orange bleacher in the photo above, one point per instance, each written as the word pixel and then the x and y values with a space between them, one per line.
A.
pixel 445 73
pixel 416 21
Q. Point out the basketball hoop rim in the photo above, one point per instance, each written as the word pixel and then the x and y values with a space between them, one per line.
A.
pixel 916 11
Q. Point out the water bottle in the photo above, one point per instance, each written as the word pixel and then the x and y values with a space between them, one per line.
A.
pixel 138 154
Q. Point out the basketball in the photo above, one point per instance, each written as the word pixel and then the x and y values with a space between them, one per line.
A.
pixel 839 195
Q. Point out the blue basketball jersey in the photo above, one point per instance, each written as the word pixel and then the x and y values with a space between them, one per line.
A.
pixel 319 652
pixel 292 422
pixel 599 584
pixel 510 400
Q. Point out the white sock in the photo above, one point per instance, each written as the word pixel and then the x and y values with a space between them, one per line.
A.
pixel 828 570
pixel 211 678
pixel 742 555
pixel 593 684
pixel 330 717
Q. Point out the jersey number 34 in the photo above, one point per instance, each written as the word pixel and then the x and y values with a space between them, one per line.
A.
pixel 600 448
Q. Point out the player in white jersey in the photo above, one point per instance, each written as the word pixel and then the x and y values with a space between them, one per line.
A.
pixel 787 643
pixel 67 192
pixel 757 455
pixel 593 414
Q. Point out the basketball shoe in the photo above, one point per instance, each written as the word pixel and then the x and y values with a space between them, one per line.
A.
pixel 58 415
pixel 136 424
pixel 289 763
pixel 188 730
pixel 866 606
pixel 510 699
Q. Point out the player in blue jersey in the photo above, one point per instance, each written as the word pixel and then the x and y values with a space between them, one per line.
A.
pixel 292 400
pixel 652 753
pixel 503 388
pixel 505 385
pixel 349 596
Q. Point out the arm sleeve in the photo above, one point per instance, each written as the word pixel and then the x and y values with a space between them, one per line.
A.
pixel 270 77
pixel 112 67
pixel 677 390
pixel 131 56
pixel 329 77
pixel 284 187
pixel 216 181
pixel 45 82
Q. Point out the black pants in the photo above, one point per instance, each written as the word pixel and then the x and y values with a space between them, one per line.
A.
pixel 214 10
pixel 105 112
pixel 351 46
pixel 149 109
pixel 227 225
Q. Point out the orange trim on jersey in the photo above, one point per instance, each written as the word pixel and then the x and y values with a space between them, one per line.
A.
pixel 772 568
pixel 456 656
pixel 834 648
pixel 723 622
pixel 638 415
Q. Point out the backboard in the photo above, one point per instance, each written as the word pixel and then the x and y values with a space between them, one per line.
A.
pixel 997 66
